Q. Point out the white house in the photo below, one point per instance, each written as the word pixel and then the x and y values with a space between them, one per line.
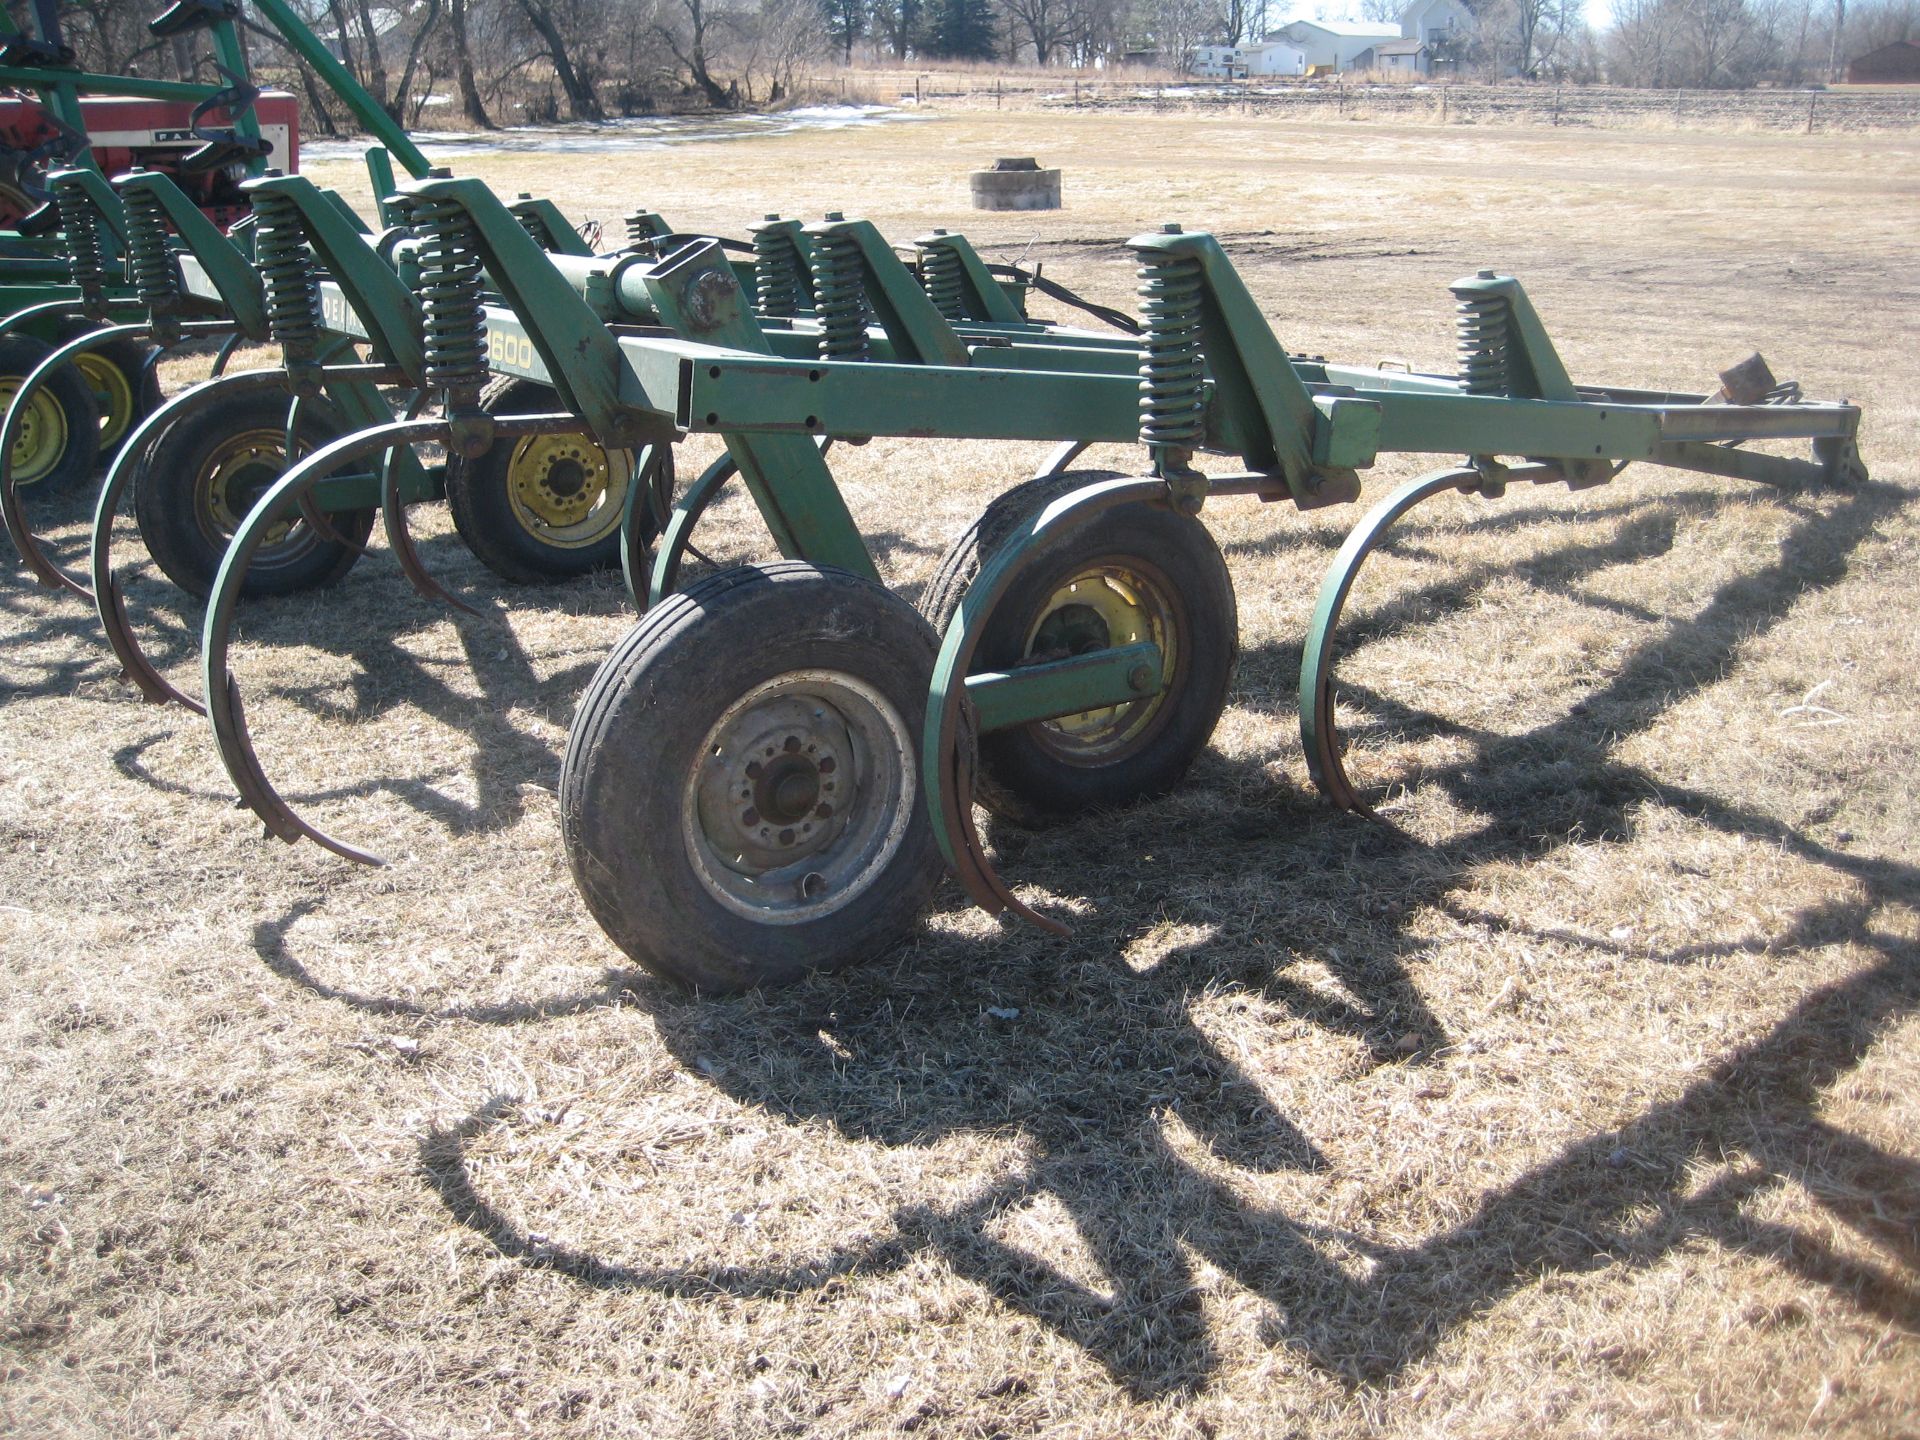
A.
pixel 1262 57
pixel 1404 56
pixel 1337 44
pixel 1442 27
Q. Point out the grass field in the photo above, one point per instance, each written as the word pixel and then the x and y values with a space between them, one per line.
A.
pixel 1580 1101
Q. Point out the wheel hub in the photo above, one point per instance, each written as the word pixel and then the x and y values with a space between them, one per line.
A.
pixel 1103 606
pixel 802 796
pixel 43 432
pixel 112 390
pixel 237 474
pixel 557 480
pixel 768 794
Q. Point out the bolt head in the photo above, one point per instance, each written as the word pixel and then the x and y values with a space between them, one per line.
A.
pixel 835 215
pixel 1139 679
pixel 1489 275
pixel 1171 227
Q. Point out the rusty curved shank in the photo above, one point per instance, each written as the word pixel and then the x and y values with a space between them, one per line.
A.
pixel 24 540
pixel 108 598
pixel 224 708
pixel 946 760
pixel 1318 735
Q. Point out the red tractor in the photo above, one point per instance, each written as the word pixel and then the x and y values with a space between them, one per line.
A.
pixel 156 134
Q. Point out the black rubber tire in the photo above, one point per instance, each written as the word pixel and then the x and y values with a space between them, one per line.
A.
pixel 172 500
pixel 19 355
pixel 492 525
pixel 649 720
pixel 129 357
pixel 1032 775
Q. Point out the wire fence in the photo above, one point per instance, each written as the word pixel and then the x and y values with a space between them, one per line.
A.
pixel 1444 103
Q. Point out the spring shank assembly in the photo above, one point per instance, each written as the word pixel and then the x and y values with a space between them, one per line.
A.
pixel 293 291
pixel 779 283
pixel 86 263
pixel 455 321
pixel 156 277
pixel 1482 323
pixel 839 294
pixel 943 276
pixel 1172 371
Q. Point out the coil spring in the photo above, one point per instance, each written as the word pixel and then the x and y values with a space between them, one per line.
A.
pixel 86 264
pixel 778 280
pixel 293 297
pixel 455 320
pixel 1481 330
pixel 535 226
pixel 149 258
pixel 944 279
pixel 839 297
pixel 1172 373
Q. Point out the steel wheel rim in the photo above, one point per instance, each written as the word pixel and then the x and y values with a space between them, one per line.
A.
pixel 567 491
pixel 236 473
pixel 791 748
pixel 43 432
pixel 114 392
pixel 1101 605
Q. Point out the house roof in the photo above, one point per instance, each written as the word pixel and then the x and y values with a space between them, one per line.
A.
pixel 1399 47
pixel 1347 29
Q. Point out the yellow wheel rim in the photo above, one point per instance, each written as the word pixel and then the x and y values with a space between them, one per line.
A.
pixel 113 390
pixel 236 475
pixel 566 491
pixel 1104 605
pixel 43 432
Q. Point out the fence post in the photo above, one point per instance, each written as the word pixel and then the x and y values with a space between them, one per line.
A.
pixel 1812 100
pixel 916 90
pixel 1443 103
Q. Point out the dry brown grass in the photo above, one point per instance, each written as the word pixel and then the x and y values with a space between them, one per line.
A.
pixel 1583 1104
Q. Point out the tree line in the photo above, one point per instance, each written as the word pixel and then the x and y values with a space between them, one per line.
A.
pixel 494 62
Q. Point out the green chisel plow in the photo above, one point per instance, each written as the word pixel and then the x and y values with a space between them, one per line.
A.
pixel 772 771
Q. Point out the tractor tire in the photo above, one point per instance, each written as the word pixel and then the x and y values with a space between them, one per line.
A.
pixel 1136 572
pixel 59 444
pixel 126 389
pixel 200 479
pixel 548 507
pixel 740 798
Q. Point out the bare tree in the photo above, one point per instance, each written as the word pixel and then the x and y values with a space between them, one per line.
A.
pixel 471 104
pixel 696 27
pixel 552 20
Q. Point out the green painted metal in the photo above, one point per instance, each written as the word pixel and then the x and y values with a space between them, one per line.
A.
pixel 138 87
pixel 982 297
pixel 1002 699
pixel 363 285
pixel 233 280
pixel 944 771
pixel 1317 734
pixel 580 356
pixel 553 231
pixel 696 292
pixel 919 333
pixel 339 79
pixel 1533 364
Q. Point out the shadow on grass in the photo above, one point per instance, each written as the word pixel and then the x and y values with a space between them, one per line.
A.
pixel 1105 1053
